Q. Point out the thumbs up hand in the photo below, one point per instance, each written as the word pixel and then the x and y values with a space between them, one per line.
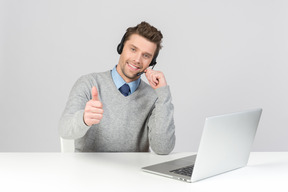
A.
pixel 93 112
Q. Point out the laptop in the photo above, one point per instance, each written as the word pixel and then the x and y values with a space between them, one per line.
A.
pixel 225 146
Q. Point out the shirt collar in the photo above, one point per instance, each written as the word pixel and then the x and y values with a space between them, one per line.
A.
pixel 119 81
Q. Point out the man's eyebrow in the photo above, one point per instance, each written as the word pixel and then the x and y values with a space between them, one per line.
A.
pixel 133 46
pixel 147 53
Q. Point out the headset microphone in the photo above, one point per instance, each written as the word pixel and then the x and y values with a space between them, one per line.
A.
pixel 138 74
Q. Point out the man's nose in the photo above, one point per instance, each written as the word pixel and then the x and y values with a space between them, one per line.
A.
pixel 137 57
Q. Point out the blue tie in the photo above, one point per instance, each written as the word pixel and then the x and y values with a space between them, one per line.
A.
pixel 125 89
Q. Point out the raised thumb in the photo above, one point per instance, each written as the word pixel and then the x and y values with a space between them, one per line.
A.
pixel 94 93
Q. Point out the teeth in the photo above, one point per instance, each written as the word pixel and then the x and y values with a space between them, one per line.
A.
pixel 133 66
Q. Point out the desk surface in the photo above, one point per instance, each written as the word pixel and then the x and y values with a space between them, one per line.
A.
pixel 122 171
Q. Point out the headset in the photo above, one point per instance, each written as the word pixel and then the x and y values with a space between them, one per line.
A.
pixel 120 49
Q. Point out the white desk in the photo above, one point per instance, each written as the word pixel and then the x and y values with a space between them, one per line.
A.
pixel 85 172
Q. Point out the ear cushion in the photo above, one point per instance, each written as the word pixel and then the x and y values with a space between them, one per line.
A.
pixel 119 48
pixel 153 62
pixel 121 45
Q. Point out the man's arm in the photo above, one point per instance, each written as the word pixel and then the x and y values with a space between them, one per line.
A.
pixel 161 122
pixel 81 111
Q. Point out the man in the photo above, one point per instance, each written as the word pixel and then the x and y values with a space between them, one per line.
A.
pixel 114 111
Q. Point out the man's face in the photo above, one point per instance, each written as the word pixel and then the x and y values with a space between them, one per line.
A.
pixel 136 56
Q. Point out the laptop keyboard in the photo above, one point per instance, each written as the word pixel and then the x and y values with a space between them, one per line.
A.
pixel 187 171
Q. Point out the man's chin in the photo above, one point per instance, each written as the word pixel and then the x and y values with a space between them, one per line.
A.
pixel 132 77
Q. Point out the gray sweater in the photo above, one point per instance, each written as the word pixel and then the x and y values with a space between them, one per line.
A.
pixel 129 124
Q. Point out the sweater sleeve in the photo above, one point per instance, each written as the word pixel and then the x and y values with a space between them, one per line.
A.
pixel 71 124
pixel 161 123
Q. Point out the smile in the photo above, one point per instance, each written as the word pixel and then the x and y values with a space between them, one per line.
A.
pixel 133 67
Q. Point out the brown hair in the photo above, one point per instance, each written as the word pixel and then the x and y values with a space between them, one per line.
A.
pixel 147 31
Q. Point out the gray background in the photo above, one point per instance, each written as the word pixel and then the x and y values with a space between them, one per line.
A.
pixel 218 57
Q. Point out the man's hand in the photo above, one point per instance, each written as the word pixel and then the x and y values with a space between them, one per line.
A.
pixel 156 79
pixel 93 110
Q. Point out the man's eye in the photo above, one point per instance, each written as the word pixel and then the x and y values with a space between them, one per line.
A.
pixel 146 56
pixel 133 49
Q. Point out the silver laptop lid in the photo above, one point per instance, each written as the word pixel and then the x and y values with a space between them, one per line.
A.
pixel 225 143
